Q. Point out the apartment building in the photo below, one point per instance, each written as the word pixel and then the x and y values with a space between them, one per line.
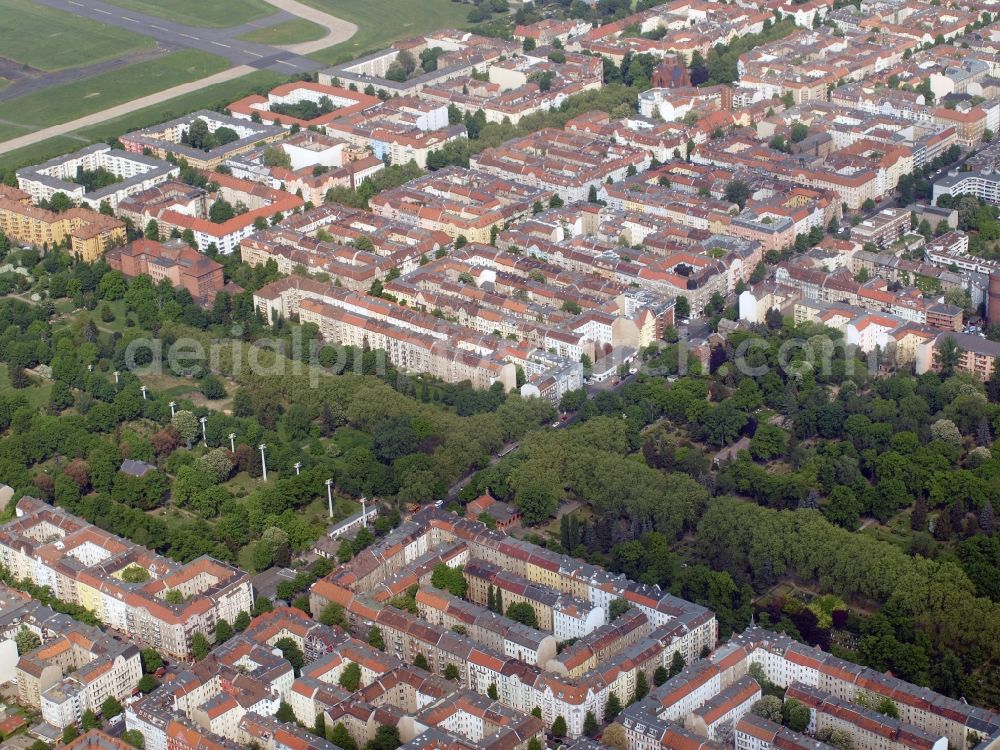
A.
pixel 95 739
pixel 755 733
pixel 401 130
pixel 519 86
pixel 601 644
pixel 88 234
pixel 229 136
pixel 84 565
pixel 178 207
pixel 335 240
pixel 458 54
pixel 909 304
pixel 459 203
pixel 869 729
pixel 882 229
pixel 565 616
pixel 645 729
pixel 547 31
pixel 486 627
pixel 951 250
pixel 76 672
pixel 134 172
pixel 984 184
pixel 211 701
pixel 408 350
pixel 387 567
pixel 976 355
pixel 718 716
pixel 785 661
pixel 568 163
pixel 76 667
pixel 670 31
pixel 317 163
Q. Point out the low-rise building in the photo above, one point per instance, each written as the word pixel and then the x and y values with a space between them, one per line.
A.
pixel 176 261
pixel 302 103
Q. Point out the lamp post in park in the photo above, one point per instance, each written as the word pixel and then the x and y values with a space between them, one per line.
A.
pixel 204 436
pixel 173 408
pixel 232 442
pixel 143 389
pixel 297 466
pixel 263 461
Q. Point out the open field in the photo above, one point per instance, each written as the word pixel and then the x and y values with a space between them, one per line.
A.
pixel 214 14
pixel 288 32
pixel 49 39
pixel 221 93
pixel 383 21
pixel 63 103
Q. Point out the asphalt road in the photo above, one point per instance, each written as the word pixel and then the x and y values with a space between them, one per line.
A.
pixel 243 56
pixel 120 110
pixel 29 80
pixel 221 42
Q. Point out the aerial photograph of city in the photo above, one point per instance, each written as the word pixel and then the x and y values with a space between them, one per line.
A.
pixel 499 374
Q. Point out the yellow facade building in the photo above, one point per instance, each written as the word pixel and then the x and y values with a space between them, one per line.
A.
pixel 89 233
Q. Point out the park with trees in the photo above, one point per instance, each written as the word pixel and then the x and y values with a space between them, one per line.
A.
pixel 849 508
pixel 853 511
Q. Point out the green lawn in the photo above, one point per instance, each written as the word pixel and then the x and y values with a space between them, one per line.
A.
pixel 51 39
pixel 896 531
pixel 383 21
pixel 63 103
pixel 318 511
pixel 214 14
pixel 218 95
pixel 241 485
pixel 10 130
pixel 289 32
pixel 36 394
pixel 114 326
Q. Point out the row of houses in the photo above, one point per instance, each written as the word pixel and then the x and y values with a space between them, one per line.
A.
pixel 520 674
pixel 132 590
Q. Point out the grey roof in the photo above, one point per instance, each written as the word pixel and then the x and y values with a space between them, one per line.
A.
pixel 156 168
pixel 136 468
